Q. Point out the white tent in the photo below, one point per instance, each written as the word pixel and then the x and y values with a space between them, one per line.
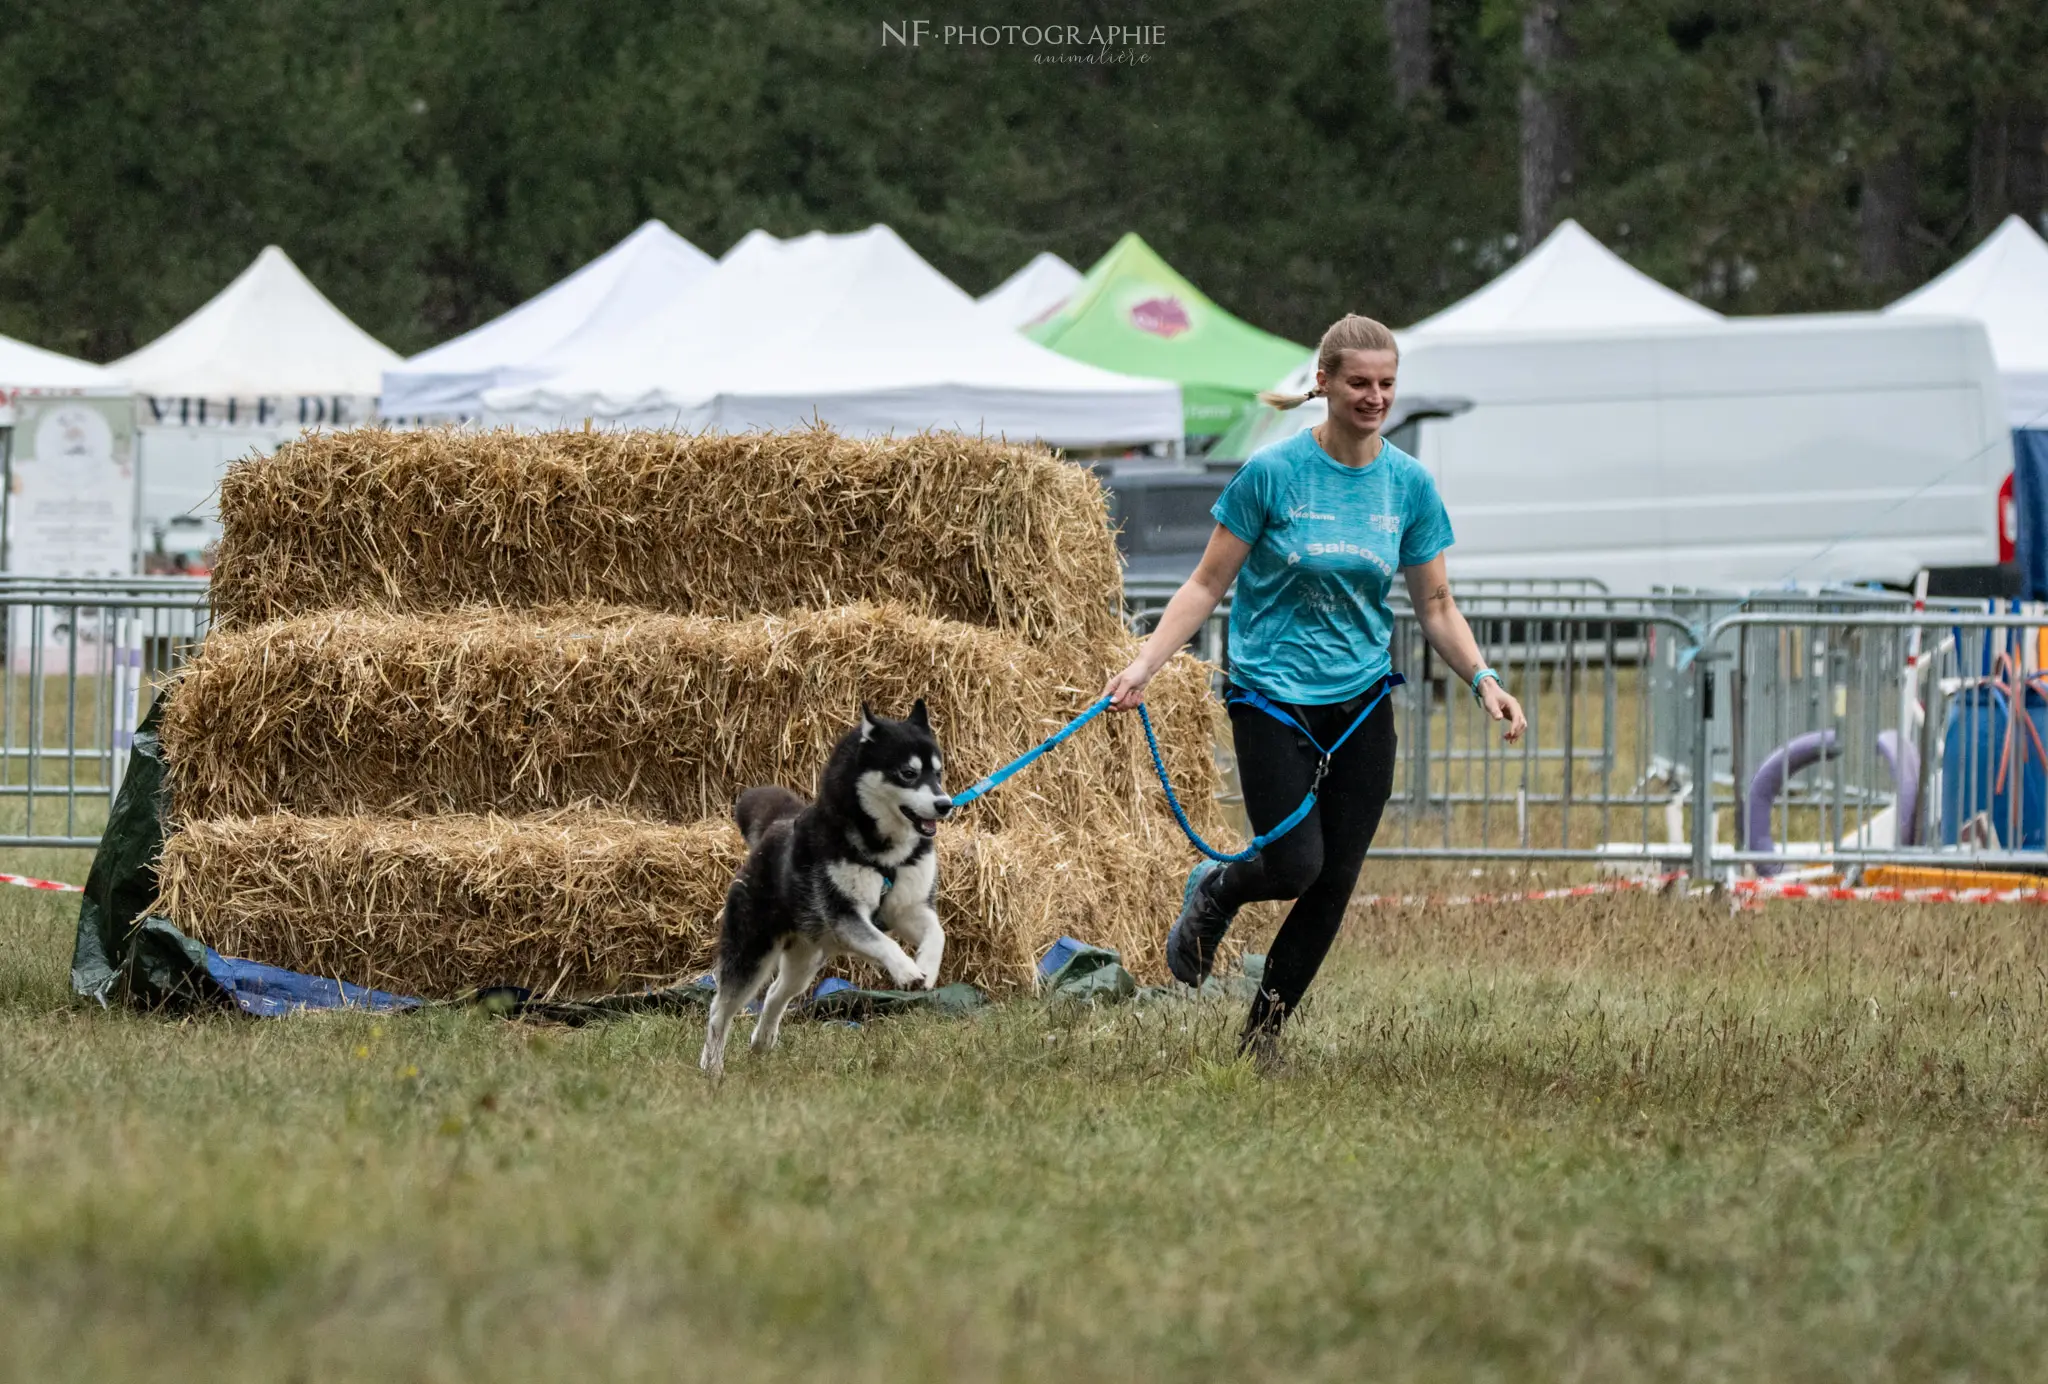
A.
pixel 2003 283
pixel 640 276
pixel 26 369
pixel 1031 292
pixel 268 335
pixel 856 330
pixel 1571 282
pixel 265 358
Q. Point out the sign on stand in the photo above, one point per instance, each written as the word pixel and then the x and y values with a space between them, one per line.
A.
pixel 71 491
pixel 70 514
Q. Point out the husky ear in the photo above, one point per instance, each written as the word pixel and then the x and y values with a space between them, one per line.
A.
pixel 917 716
pixel 867 722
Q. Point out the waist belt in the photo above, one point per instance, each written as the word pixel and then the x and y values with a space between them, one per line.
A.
pixel 1236 694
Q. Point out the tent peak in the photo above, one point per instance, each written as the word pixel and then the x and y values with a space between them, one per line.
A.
pixel 1134 312
pixel 2002 283
pixel 270 331
pixel 1567 281
pixel 647 272
pixel 1032 293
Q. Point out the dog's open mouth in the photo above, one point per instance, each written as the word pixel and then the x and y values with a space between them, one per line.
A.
pixel 926 826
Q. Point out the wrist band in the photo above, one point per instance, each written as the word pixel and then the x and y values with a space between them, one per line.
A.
pixel 1481 676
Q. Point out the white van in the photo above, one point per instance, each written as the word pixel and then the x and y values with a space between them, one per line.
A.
pixel 1734 454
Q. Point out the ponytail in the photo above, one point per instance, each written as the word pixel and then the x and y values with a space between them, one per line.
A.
pixel 1350 332
pixel 1273 398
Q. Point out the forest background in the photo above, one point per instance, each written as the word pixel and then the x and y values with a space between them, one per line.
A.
pixel 431 164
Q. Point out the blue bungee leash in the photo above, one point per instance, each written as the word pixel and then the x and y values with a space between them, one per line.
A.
pixel 1024 760
pixel 1237 694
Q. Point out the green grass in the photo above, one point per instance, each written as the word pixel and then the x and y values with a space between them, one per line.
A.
pixel 1616 1140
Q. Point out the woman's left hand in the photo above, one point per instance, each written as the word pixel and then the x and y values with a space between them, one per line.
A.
pixel 1501 707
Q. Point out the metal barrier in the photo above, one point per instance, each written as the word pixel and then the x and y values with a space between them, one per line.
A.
pixel 1837 713
pixel 83 658
pixel 1771 732
pixel 1603 772
pixel 1876 737
pixel 1585 783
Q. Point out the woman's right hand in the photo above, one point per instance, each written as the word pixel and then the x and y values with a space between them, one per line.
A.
pixel 1127 689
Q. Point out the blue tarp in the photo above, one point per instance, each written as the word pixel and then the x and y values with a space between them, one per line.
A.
pixel 268 991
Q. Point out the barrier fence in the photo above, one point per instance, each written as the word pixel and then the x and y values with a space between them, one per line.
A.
pixel 1782 735
pixel 83 657
pixel 1879 738
pixel 1775 734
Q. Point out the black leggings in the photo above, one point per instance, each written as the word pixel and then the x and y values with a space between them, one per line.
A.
pixel 1317 863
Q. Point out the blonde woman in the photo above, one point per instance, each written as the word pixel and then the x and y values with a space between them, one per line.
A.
pixel 1312 530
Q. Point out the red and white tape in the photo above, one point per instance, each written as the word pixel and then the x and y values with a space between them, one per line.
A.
pixel 1772 889
pixel 1571 891
pixel 30 882
pixel 1746 891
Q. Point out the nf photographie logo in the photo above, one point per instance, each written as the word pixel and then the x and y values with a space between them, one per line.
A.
pixel 1047 43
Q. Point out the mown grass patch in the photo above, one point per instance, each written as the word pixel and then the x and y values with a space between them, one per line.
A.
pixel 1617 1139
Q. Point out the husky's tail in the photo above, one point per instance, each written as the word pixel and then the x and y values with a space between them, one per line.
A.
pixel 761 808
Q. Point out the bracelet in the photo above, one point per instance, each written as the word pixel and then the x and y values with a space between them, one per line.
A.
pixel 1481 676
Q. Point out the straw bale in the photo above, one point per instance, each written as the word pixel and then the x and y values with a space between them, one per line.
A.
pixel 664 716
pixel 580 902
pixel 985 532
pixel 475 705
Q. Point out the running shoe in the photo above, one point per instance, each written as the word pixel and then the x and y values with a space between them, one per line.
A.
pixel 1198 931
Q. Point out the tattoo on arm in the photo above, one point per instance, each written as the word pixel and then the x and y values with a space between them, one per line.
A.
pixel 1441 594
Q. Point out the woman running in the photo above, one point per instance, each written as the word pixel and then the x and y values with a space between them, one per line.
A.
pixel 1312 530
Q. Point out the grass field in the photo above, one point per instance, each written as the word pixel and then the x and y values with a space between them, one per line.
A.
pixel 1607 1140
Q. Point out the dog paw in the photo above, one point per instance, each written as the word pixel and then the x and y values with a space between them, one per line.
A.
pixel 710 1064
pixel 760 1044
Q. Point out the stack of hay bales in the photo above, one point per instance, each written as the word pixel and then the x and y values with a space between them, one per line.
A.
pixel 475 706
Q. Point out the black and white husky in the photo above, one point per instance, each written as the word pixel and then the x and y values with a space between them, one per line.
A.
pixel 847 875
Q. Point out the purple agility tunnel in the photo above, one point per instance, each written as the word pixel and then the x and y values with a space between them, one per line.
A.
pixel 1901 759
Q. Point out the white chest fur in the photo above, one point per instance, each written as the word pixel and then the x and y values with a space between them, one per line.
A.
pixel 859 883
pixel 913 887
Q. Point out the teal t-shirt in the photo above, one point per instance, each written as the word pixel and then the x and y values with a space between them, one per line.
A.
pixel 1309 623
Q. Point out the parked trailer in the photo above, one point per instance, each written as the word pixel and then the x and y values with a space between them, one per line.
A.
pixel 1743 454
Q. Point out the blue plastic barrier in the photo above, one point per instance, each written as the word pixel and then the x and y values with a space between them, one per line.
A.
pixel 1972 749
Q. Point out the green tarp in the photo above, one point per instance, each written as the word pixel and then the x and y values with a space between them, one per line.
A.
pixel 1134 314
pixel 1077 970
pixel 122 954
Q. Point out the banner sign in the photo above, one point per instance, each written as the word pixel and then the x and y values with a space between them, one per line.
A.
pixel 71 501
pixel 287 412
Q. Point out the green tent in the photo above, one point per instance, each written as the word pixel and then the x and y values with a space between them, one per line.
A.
pixel 1135 315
